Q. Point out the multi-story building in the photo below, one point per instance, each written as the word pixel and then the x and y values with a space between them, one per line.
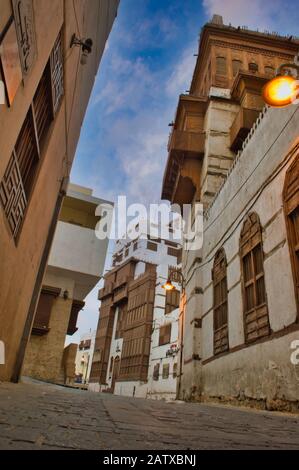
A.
pixel 84 356
pixel 241 161
pixel 47 75
pixel 138 321
pixel 75 266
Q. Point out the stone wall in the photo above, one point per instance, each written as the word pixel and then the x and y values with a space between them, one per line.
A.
pixel 44 353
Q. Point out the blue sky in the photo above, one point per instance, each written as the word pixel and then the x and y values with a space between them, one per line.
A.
pixel 147 63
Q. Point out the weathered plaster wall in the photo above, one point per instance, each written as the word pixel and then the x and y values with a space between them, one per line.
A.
pixel 260 371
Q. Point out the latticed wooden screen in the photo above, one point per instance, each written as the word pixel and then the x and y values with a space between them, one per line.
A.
pixel 99 366
pixel 221 66
pixel 138 328
pixel 256 319
pixel 12 195
pixel 291 206
pixel 172 301
pixel 165 334
pixel 56 64
pixel 20 173
pixel 220 302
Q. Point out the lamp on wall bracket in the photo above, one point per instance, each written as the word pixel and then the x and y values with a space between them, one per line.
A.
pixel 86 47
pixel 283 89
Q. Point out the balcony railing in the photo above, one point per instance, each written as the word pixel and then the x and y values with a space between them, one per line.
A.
pixel 187 141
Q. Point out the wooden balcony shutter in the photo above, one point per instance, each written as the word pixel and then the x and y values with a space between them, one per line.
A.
pixel 27 152
pixel 237 65
pixel 221 66
pixel 165 371
pixel 256 319
pixel 56 68
pixel 220 302
pixel 21 170
pixel 165 334
pixel 152 246
pixel 172 300
pixel 42 106
pixel 44 308
pixel 291 209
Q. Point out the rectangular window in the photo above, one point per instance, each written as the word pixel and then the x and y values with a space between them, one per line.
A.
pixel 220 303
pixel 165 372
pixel 152 246
pixel 221 66
pixel 256 317
pixel 175 370
pixel 43 311
pixel 156 372
pixel 237 65
pixel 165 334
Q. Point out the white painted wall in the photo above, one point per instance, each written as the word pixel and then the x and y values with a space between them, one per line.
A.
pixel 255 183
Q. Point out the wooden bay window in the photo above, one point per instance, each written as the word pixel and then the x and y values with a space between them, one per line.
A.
pixel 21 171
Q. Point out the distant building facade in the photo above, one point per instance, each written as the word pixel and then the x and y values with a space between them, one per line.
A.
pixel 241 160
pixel 84 357
pixel 138 322
pixel 47 88
pixel 75 266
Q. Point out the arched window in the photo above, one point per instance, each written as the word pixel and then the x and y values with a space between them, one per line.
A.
pixel 291 207
pixel 253 67
pixel 256 319
pixel 220 66
pixel 237 65
pixel 220 302
pixel 269 71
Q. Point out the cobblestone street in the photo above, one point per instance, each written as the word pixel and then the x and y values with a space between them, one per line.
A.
pixel 41 416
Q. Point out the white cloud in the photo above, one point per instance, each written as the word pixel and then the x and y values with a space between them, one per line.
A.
pixel 180 79
pixel 274 15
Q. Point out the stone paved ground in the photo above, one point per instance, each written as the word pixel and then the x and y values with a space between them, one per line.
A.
pixel 40 416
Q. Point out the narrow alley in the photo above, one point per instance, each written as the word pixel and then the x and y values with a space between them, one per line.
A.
pixel 39 416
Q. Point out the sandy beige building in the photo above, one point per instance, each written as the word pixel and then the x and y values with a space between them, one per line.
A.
pixel 76 264
pixel 241 161
pixel 47 87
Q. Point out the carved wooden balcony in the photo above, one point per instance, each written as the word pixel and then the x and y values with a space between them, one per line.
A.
pixel 121 293
pixel 106 291
pixel 241 127
pixel 187 142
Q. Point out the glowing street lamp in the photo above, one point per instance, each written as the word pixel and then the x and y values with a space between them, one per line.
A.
pixel 283 89
pixel 168 285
